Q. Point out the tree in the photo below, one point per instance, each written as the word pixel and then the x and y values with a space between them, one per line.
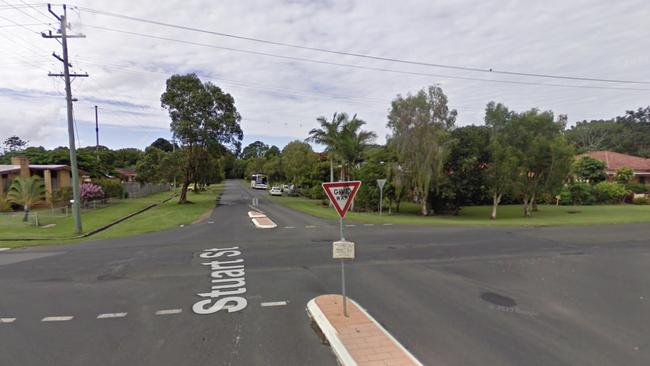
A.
pixel 297 160
pixel 203 120
pixel 539 144
pixel 163 145
pixel 26 192
pixel 15 143
pixel 588 169
pixel 502 166
pixel 624 175
pixel 149 168
pixel 328 134
pixel 352 143
pixel 420 127
pixel 272 152
pixel 254 150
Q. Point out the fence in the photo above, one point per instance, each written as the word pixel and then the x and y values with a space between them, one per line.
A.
pixel 38 217
pixel 135 189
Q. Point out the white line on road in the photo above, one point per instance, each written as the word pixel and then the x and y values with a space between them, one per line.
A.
pixel 388 224
pixel 7 320
pixel 351 225
pixel 64 318
pixel 310 227
pixel 368 224
pixel 1 249
pixel 169 311
pixel 276 303
pixel 289 227
pixel 210 222
pixel 111 315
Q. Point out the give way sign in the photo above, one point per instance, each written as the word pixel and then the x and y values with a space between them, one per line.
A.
pixel 342 194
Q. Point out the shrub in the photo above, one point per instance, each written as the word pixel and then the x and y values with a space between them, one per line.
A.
pixel 606 192
pixel 5 205
pixel 581 193
pixel 624 175
pixel 641 201
pixel 316 192
pixel 565 196
pixel 91 191
pixel 62 196
pixel 637 188
pixel 111 188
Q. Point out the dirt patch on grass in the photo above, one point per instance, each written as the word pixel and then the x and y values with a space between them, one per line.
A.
pixel 204 217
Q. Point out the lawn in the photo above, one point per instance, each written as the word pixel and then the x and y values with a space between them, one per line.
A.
pixel 508 215
pixel 165 216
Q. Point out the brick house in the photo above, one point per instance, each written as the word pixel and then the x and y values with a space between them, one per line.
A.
pixel 54 176
pixel 615 161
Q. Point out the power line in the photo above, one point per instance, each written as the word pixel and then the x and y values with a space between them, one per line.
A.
pixel 360 66
pixel 20 10
pixel 360 55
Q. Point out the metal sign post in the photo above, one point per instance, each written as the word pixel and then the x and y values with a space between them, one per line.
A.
pixel 341 195
pixel 381 183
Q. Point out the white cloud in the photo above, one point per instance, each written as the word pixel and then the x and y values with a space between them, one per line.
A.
pixel 282 98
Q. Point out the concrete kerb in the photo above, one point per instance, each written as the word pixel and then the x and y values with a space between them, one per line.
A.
pixel 331 335
pixel 317 316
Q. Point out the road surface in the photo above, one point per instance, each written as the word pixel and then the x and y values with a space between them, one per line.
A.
pixel 452 295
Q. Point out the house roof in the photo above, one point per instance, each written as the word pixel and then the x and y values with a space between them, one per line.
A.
pixel 616 161
pixel 8 168
pixel 126 172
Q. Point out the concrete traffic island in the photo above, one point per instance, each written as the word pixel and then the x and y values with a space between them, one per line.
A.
pixel 260 220
pixel 357 339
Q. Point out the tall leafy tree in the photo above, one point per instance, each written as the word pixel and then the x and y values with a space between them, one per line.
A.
pixel 420 126
pixel 502 166
pixel 204 120
pixel 352 143
pixel 15 143
pixel 298 159
pixel 26 192
pixel 328 135
pixel 254 150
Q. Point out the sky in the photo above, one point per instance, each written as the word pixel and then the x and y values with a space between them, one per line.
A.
pixel 280 91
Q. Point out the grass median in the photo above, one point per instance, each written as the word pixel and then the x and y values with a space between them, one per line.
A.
pixel 165 216
pixel 508 215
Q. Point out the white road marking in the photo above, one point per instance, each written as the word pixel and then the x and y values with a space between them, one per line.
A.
pixel 7 320
pixel 210 222
pixel 310 227
pixel 111 315
pixel 351 225
pixel 64 318
pixel 368 224
pixel 1 249
pixel 388 224
pixel 289 227
pixel 169 311
pixel 275 303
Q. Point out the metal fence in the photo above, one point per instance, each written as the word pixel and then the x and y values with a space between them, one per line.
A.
pixel 136 190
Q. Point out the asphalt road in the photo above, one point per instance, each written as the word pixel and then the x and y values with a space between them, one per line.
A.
pixel 453 296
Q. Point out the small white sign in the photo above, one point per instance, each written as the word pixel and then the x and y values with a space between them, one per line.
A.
pixel 343 250
pixel 381 182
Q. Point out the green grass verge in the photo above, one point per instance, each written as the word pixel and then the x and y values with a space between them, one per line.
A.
pixel 508 215
pixel 165 216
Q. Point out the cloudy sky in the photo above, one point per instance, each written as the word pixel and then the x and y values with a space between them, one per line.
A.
pixel 280 90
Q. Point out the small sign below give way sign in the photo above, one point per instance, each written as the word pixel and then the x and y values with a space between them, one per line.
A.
pixel 342 194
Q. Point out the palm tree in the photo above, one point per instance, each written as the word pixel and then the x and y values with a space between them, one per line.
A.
pixel 329 134
pixel 353 142
pixel 26 191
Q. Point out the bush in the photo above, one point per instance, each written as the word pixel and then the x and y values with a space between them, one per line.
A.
pixel 62 196
pixel 5 205
pixel 637 188
pixel 581 193
pixel 111 188
pixel 641 201
pixel 316 192
pixel 606 192
pixel 565 196
pixel 91 191
pixel 624 175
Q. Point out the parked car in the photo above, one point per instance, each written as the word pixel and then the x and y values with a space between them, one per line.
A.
pixel 275 191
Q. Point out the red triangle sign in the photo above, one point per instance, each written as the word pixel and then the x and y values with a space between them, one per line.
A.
pixel 342 194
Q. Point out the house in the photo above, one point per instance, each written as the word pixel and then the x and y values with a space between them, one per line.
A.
pixel 615 161
pixel 54 176
pixel 126 174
